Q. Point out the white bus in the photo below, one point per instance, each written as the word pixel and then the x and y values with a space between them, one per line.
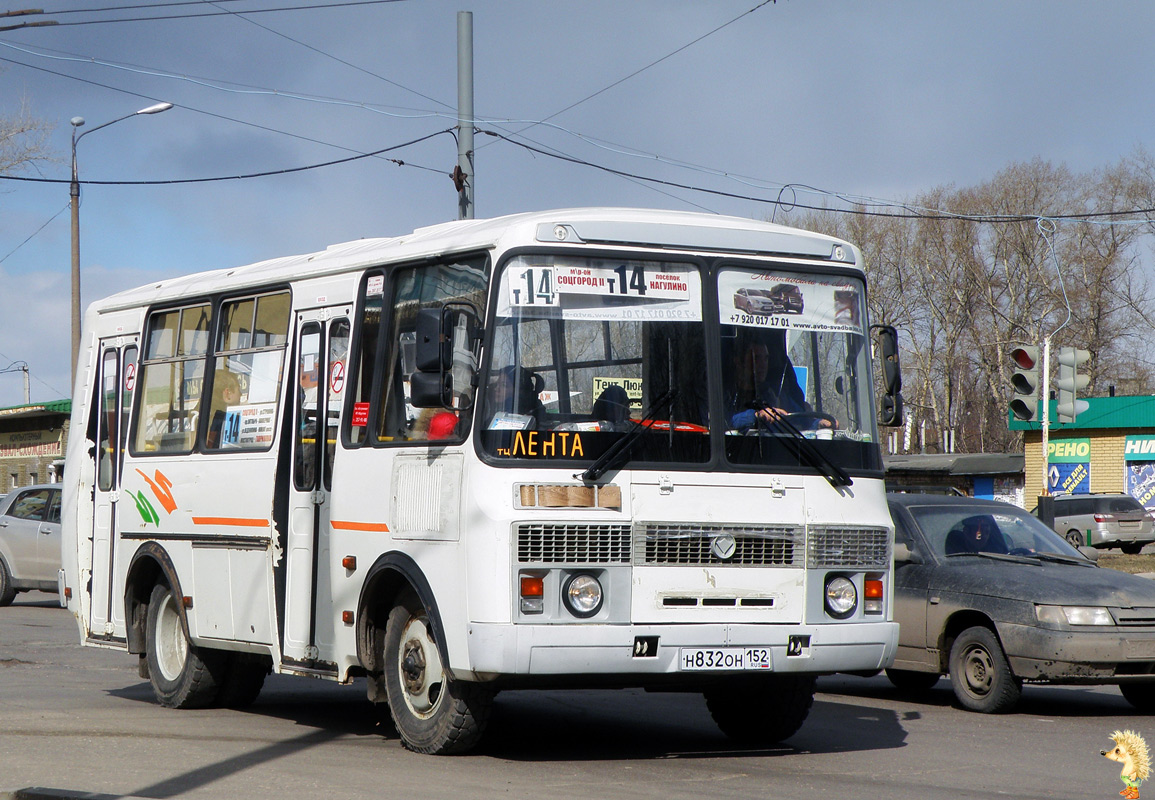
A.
pixel 594 447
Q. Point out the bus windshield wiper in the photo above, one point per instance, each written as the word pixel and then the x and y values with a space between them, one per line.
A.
pixel 804 449
pixel 623 445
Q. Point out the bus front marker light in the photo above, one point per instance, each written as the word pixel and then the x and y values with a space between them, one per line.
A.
pixel 349 563
pixel 582 595
pixel 532 594
pixel 841 596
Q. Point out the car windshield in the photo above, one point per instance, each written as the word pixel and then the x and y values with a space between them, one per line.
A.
pixel 979 529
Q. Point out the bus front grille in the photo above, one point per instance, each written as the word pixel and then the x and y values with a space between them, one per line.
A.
pixel 718 545
pixel 845 547
pixel 573 544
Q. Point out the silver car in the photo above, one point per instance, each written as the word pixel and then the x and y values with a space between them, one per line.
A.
pixel 29 540
pixel 1104 520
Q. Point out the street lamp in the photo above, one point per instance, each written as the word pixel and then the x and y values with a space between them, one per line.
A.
pixel 74 193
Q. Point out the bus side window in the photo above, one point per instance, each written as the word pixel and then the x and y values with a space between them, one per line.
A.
pixel 246 380
pixel 173 368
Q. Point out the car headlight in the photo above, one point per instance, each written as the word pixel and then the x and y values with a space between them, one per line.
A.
pixel 1074 615
pixel 582 594
pixel 841 597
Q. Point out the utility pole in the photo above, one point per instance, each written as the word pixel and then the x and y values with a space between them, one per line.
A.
pixel 463 174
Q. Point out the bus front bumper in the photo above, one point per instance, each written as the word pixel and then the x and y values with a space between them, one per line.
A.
pixel 530 650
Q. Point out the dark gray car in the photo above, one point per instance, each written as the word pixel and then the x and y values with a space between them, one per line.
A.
pixel 990 596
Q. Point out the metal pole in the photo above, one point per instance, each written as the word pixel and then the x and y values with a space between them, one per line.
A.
pixel 74 194
pixel 1046 398
pixel 465 113
pixel 27 388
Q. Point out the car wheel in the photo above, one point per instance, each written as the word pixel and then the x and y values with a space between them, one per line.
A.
pixel 7 590
pixel 980 675
pixel 1132 548
pixel 911 681
pixel 182 675
pixel 433 713
pixel 1076 538
pixel 765 711
pixel 1139 695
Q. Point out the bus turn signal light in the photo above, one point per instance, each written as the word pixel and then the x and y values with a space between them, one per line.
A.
pixel 532 594
pixel 349 563
pixel 872 596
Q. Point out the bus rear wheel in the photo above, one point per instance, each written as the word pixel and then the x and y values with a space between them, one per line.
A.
pixel 182 675
pixel 433 713
pixel 762 711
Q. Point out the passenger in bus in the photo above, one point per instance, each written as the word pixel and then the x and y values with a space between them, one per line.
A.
pixel 765 386
pixel 226 393
pixel 514 400
pixel 612 408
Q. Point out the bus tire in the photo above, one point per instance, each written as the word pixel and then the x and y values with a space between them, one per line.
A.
pixel 182 675
pixel 7 590
pixel 433 713
pixel 243 679
pixel 762 711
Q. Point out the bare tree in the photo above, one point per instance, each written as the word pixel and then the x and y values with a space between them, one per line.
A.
pixel 965 291
pixel 23 141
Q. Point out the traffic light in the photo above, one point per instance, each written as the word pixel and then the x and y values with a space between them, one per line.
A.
pixel 1025 380
pixel 1070 382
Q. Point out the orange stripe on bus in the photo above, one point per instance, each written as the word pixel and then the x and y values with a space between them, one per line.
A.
pixel 239 522
pixel 343 525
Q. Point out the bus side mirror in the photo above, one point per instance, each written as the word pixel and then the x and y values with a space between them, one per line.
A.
pixel 445 357
pixel 431 390
pixel 434 339
pixel 890 405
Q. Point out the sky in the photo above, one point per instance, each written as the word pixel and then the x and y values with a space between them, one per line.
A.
pixel 707 105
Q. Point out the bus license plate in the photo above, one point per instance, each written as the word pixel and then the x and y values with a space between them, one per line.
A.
pixel 724 658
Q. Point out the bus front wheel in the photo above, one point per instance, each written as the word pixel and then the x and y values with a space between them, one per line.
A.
pixel 182 675
pixel 764 710
pixel 433 713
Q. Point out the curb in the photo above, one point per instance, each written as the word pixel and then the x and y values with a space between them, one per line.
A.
pixel 45 793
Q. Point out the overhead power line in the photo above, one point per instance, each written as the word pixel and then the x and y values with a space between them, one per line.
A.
pixel 311 7
pixel 926 214
pixel 246 176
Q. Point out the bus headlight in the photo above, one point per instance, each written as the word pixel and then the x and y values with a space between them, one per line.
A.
pixel 582 595
pixel 841 596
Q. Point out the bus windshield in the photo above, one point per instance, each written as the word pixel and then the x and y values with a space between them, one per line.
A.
pixel 586 350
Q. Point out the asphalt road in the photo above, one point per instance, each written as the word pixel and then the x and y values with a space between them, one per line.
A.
pixel 79 720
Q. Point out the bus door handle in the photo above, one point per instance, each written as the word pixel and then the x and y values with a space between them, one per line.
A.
pixel 318 497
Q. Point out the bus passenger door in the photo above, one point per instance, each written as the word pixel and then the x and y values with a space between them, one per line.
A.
pixel 117 381
pixel 322 349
